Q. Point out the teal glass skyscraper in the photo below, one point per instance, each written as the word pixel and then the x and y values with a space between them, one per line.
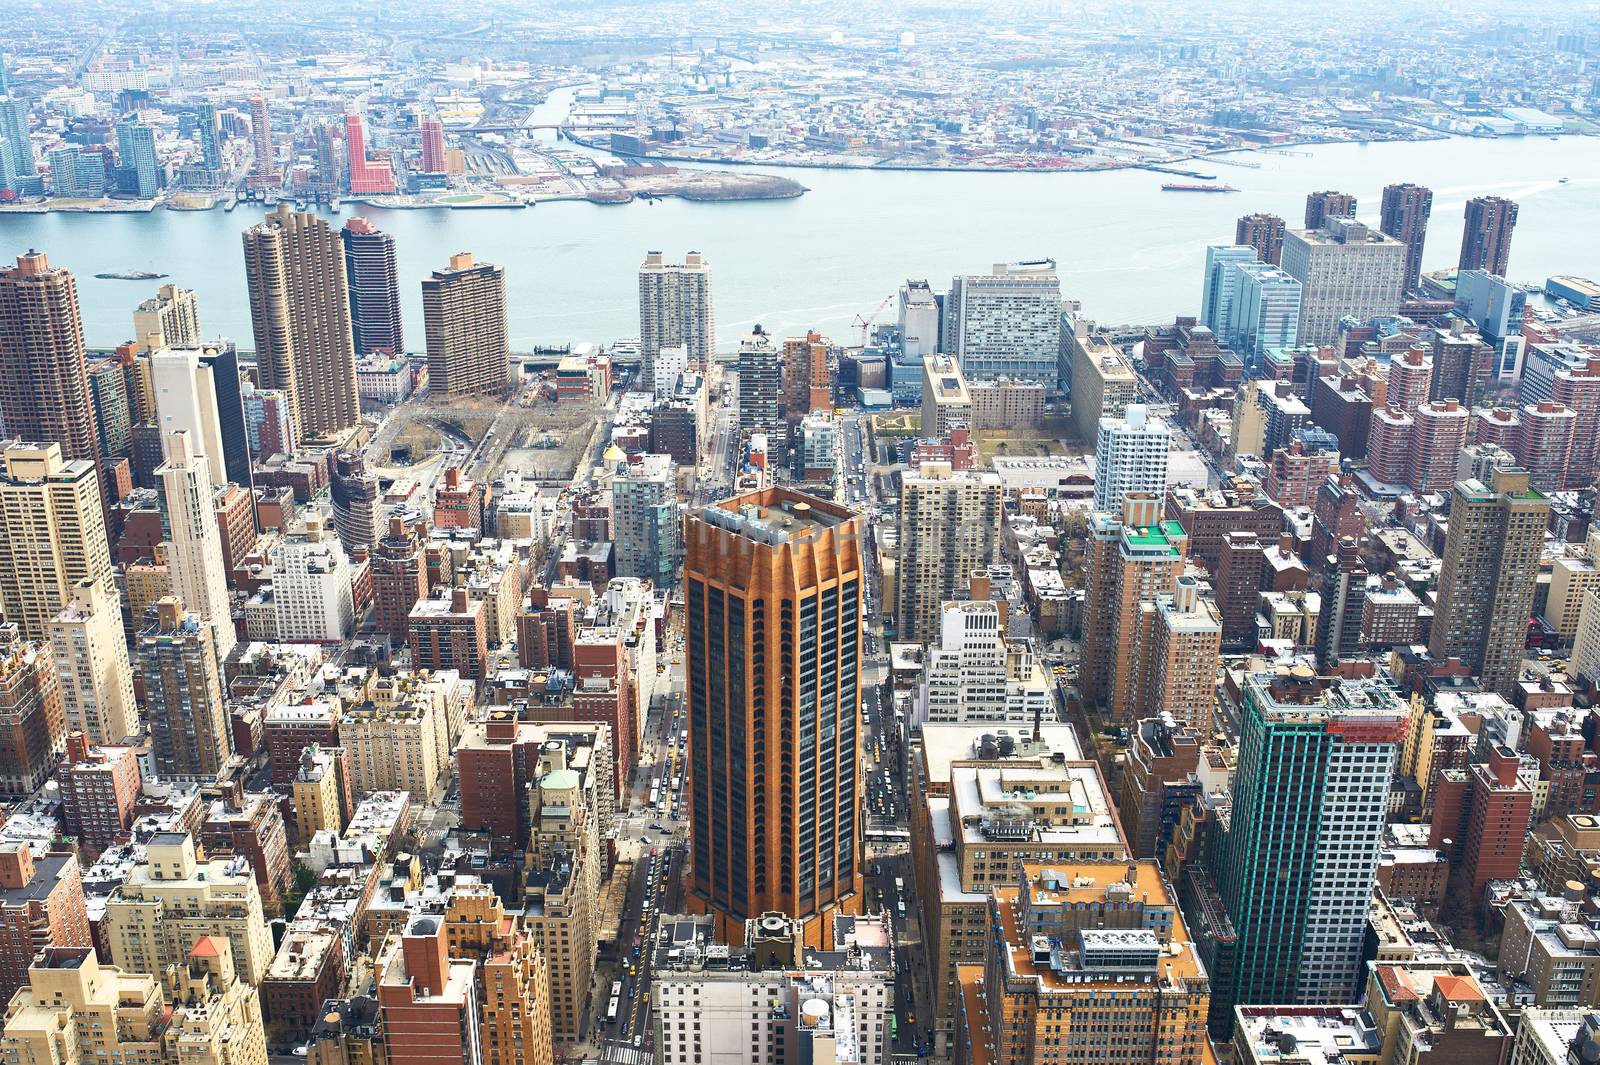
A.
pixel 1297 861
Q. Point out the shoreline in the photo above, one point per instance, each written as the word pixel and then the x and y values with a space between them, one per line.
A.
pixel 928 168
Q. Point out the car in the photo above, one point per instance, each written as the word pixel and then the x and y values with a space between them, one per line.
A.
pixel 638 1040
pixel 658 828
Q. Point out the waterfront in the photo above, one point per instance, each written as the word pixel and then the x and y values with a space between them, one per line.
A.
pixel 1127 250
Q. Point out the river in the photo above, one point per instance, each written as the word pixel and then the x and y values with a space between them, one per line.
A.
pixel 1129 251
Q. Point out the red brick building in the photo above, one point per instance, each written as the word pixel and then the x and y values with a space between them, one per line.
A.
pixel 41 905
pixel 99 786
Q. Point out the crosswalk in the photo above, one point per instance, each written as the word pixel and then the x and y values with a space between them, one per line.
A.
pixel 614 1053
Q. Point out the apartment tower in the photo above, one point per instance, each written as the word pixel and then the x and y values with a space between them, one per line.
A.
pixel 1486 238
pixel 675 310
pixel 464 313
pixel 44 385
pixel 194 552
pixel 183 691
pixel 949 527
pixel 1264 233
pixel 1486 584
pixel 774 598
pixel 369 266
pixel 1321 206
pixel 52 535
pixel 300 312
pixel 1404 216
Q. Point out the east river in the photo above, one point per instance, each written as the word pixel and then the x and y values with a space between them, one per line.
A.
pixel 1129 251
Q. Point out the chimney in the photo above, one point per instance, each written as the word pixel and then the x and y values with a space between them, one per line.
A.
pixel 458 601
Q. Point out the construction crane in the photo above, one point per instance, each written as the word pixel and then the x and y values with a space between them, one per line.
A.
pixel 865 323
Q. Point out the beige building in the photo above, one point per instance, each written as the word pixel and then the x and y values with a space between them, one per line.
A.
pixel 75 1011
pixel 1078 949
pixel 1185 636
pixel 52 535
pixel 949 527
pixel 300 311
pixel 946 400
pixel 318 791
pixel 464 310
pixel 979 812
pixel 1572 577
pixel 1006 405
pixel 1103 383
pixel 561 908
pixel 91 656
pixel 172 899
pixel 400 737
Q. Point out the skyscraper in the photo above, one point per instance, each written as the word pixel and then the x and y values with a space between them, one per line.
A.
pixel 1264 233
pixel 33 725
pixel 136 151
pixel 399 578
pixel 1486 238
pixel 1130 455
pixel 1343 268
pixel 1405 218
pixel 186 400
pixel 1217 291
pixel 355 502
pixel 368 177
pixel 52 534
pixel 44 387
pixel 1006 323
pixel 919 319
pixel 300 311
pixel 1134 559
pixel 14 131
pixel 369 264
pixel 205 120
pixel 432 146
pixel 760 383
pixel 1266 310
pixel 949 527
pixel 264 170
pixel 464 313
pixel 183 693
pixel 675 309
pixel 173 315
pixel 1486 584
pixel 774 590
pixel 1321 206
pixel 645 514
pixel 1296 866
pixel 108 398
pixel 194 552
pixel 91 654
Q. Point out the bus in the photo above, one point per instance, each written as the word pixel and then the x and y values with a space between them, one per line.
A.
pixel 655 796
pixel 611 1011
pixel 616 989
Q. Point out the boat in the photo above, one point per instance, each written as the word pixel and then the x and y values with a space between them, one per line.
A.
pixel 1171 187
pixel 1565 180
pixel 131 275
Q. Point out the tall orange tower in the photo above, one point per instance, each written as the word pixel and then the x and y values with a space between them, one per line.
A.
pixel 774 591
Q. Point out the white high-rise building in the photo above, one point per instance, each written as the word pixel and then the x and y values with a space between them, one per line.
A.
pixel 819 441
pixel 1217 294
pixel 91 655
pixel 172 315
pixel 1130 455
pixel 1344 269
pixel 1006 324
pixel 311 586
pixel 974 673
pixel 194 553
pixel 919 320
pixel 675 308
pixel 186 398
pixel 949 527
